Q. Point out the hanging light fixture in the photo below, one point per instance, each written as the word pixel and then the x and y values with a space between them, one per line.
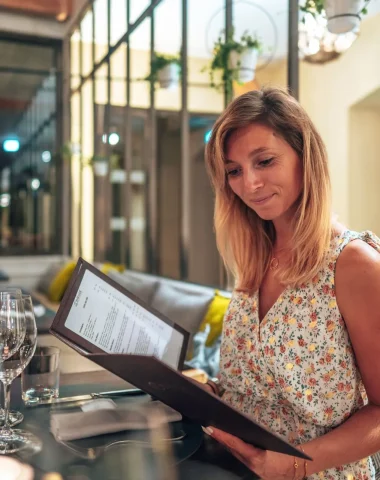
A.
pixel 318 45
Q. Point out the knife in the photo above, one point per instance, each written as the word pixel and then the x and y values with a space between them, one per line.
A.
pixel 90 396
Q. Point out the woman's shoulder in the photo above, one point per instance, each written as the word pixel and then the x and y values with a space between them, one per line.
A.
pixel 358 265
pixel 360 252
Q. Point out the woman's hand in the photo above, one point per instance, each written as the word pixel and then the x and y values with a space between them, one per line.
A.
pixel 266 464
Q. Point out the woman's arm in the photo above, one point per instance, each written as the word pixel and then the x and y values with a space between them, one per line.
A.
pixel 357 281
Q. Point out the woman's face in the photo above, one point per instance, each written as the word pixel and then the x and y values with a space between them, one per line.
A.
pixel 264 171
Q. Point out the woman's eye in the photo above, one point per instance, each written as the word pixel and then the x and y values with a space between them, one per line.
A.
pixel 265 163
pixel 233 173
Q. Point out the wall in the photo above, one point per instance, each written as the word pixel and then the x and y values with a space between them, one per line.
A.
pixel 364 168
pixel 328 93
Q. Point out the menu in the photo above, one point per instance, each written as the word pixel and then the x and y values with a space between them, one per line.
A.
pixel 112 320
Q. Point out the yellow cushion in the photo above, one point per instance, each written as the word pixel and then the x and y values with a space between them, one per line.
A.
pixel 107 267
pixel 60 281
pixel 214 317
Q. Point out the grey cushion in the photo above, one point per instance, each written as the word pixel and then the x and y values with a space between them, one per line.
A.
pixel 140 285
pixel 185 305
pixel 47 278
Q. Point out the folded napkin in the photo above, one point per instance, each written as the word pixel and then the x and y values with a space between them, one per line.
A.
pixel 93 422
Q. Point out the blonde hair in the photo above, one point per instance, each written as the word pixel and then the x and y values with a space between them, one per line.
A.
pixel 244 240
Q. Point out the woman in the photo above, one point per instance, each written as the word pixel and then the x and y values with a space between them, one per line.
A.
pixel 301 338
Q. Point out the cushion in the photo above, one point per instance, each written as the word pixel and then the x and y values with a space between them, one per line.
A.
pixel 185 305
pixel 108 267
pixel 214 318
pixel 60 281
pixel 141 286
pixel 49 275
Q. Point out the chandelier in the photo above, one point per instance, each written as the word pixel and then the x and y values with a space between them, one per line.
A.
pixel 317 45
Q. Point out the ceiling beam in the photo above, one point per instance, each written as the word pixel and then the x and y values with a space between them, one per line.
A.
pixel 60 9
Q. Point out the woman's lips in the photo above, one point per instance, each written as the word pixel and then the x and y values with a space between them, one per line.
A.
pixel 262 200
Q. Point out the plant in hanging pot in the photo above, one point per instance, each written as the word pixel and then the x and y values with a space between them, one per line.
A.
pixel 235 59
pixel 100 165
pixel 165 69
pixel 342 15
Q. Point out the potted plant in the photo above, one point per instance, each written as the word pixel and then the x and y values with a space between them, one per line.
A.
pixel 342 15
pixel 165 69
pixel 237 60
pixel 100 165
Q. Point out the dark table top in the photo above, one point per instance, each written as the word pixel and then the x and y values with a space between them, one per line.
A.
pixel 195 457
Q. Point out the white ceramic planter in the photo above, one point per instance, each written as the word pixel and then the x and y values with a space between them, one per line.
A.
pixel 168 77
pixel 246 63
pixel 100 168
pixel 342 15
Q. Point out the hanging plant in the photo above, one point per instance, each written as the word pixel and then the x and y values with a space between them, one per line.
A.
pixel 165 69
pixel 342 15
pixel 236 60
pixel 100 165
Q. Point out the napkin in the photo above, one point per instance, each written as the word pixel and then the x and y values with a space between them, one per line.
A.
pixel 100 421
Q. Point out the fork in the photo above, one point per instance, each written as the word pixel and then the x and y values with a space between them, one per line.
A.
pixel 92 453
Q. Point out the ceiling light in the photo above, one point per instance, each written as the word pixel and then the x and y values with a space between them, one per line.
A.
pixel 113 139
pixel 46 156
pixel 35 184
pixel 11 145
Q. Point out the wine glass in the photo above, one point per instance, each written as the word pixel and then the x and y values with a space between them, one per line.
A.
pixel 14 417
pixel 12 441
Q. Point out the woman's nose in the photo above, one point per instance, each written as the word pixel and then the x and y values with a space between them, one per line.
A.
pixel 252 180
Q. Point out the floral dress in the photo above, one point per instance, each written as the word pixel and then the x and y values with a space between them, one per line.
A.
pixel 295 372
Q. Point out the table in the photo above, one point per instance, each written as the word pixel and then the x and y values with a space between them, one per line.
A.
pixel 196 457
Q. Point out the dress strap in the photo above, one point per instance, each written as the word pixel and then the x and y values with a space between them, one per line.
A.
pixel 349 235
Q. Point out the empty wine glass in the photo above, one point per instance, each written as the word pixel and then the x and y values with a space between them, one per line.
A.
pixel 14 417
pixel 12 441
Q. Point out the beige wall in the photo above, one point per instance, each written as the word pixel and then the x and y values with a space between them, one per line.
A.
pixel 328 93
pixel 364 168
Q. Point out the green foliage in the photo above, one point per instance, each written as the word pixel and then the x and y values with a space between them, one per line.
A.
pixel 97 158
pixel 316 7
pixel 220 62
pixel 159 62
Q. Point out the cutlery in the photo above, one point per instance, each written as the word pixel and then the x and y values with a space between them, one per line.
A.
pixel 90 396
pixel 92 453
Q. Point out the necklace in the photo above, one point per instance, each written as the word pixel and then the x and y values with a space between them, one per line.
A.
pixel 274 263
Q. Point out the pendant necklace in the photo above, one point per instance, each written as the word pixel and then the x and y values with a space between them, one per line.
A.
pixel 274 263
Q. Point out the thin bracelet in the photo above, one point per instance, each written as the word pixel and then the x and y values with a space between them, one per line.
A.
pixel 295 465
pixel 305 464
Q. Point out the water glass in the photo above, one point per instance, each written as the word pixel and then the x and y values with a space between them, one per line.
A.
pixel 40 379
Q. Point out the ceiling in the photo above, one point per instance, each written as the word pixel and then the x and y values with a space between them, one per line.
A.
pixel 59 9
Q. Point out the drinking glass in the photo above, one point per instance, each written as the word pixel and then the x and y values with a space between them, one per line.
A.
pixel 40 379
pixel 12 441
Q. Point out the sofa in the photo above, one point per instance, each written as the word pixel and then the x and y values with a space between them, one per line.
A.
pixel 197 308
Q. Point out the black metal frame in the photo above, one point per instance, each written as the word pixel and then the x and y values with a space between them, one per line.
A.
pixel 153 226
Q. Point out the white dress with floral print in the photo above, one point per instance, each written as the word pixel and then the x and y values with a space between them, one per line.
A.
pixel 295 372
